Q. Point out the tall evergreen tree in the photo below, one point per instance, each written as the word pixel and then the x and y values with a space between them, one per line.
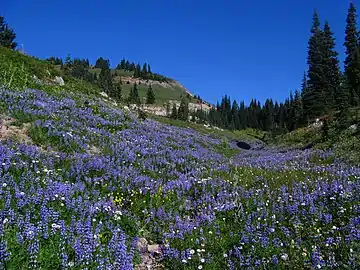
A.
pixel 127 65
pixel 351 44
pixel 122 64
pixel 331 68
pixel 174 112
pixel 118 92
pixel 314 96
pixel 150 96
pixel 7 35
pixel 183 112
pixel 297 110
pixel 105 82
pixel 342 97
pixel 168 109
pixel 144 70
pixel 102 63
pixel 137 71
pixel 134 95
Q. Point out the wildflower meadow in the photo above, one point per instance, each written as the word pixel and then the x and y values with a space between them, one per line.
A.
pixel 93 179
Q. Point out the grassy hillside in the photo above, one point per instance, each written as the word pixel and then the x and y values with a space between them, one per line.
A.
pixel 17 71
pixel 250 135
pixel 85 184
pixel 342 136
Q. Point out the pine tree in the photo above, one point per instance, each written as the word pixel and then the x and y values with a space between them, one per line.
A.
pixel 137 71
pixel 105 82
pixel 331 67
pixel 144 71
pixel 134 95
pixel 242 116
pixel 314 96
pixel 183 112
pixel 7 35
pixel 174 112
pixel 150 96
pixel 118 92
pixel 127 65
pixel 355 89
pixel 68 65
pixel 168 109
pixel 297 110
pixel 351 44
pixel 102 63
pixel 342 95
pixel 123 64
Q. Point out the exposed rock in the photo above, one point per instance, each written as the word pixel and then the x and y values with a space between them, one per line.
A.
pixel 37 80
pixel 59 81
pixel 94 150
pixel 142 244
pixel 150 255
pixel 104 94
pixel 154 249
pixel 8 131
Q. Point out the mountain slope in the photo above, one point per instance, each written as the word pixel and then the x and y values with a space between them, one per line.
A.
pixel 36 73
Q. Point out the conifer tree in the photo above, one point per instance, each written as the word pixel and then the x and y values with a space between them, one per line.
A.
pixel 102 63
pixel 351 44
pixel 297 110
pixel 68 65
pixel 342 96
pixel 331 68
pixel 118 92
pixel 105 81
pixel 183 112
pixel 123 64
pixel 314 96
pixel 150 96
pixel 137 71
pixel 134 95
pixel 168 109
pixel 7 35
pixel 127 65
pixel 174 112
pixel 144 71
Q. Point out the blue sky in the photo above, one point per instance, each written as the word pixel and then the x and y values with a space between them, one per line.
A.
pixel 241 48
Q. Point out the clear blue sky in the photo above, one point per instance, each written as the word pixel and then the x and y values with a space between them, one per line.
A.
pixel 241 48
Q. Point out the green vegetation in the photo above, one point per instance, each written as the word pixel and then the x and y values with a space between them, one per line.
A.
pixel 246 134
pixel 7 35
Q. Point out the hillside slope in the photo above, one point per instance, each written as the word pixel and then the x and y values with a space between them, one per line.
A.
pixel 86 184
pixel 27 71
pixel 89 185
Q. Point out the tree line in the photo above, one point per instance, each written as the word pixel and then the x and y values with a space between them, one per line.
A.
pixel 324 89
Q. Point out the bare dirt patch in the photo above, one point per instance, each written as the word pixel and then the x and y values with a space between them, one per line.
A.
pixel 9 131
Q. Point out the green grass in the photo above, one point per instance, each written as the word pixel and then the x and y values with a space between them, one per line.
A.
pixel 162 94
pixel 247 134
pixel 17 72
